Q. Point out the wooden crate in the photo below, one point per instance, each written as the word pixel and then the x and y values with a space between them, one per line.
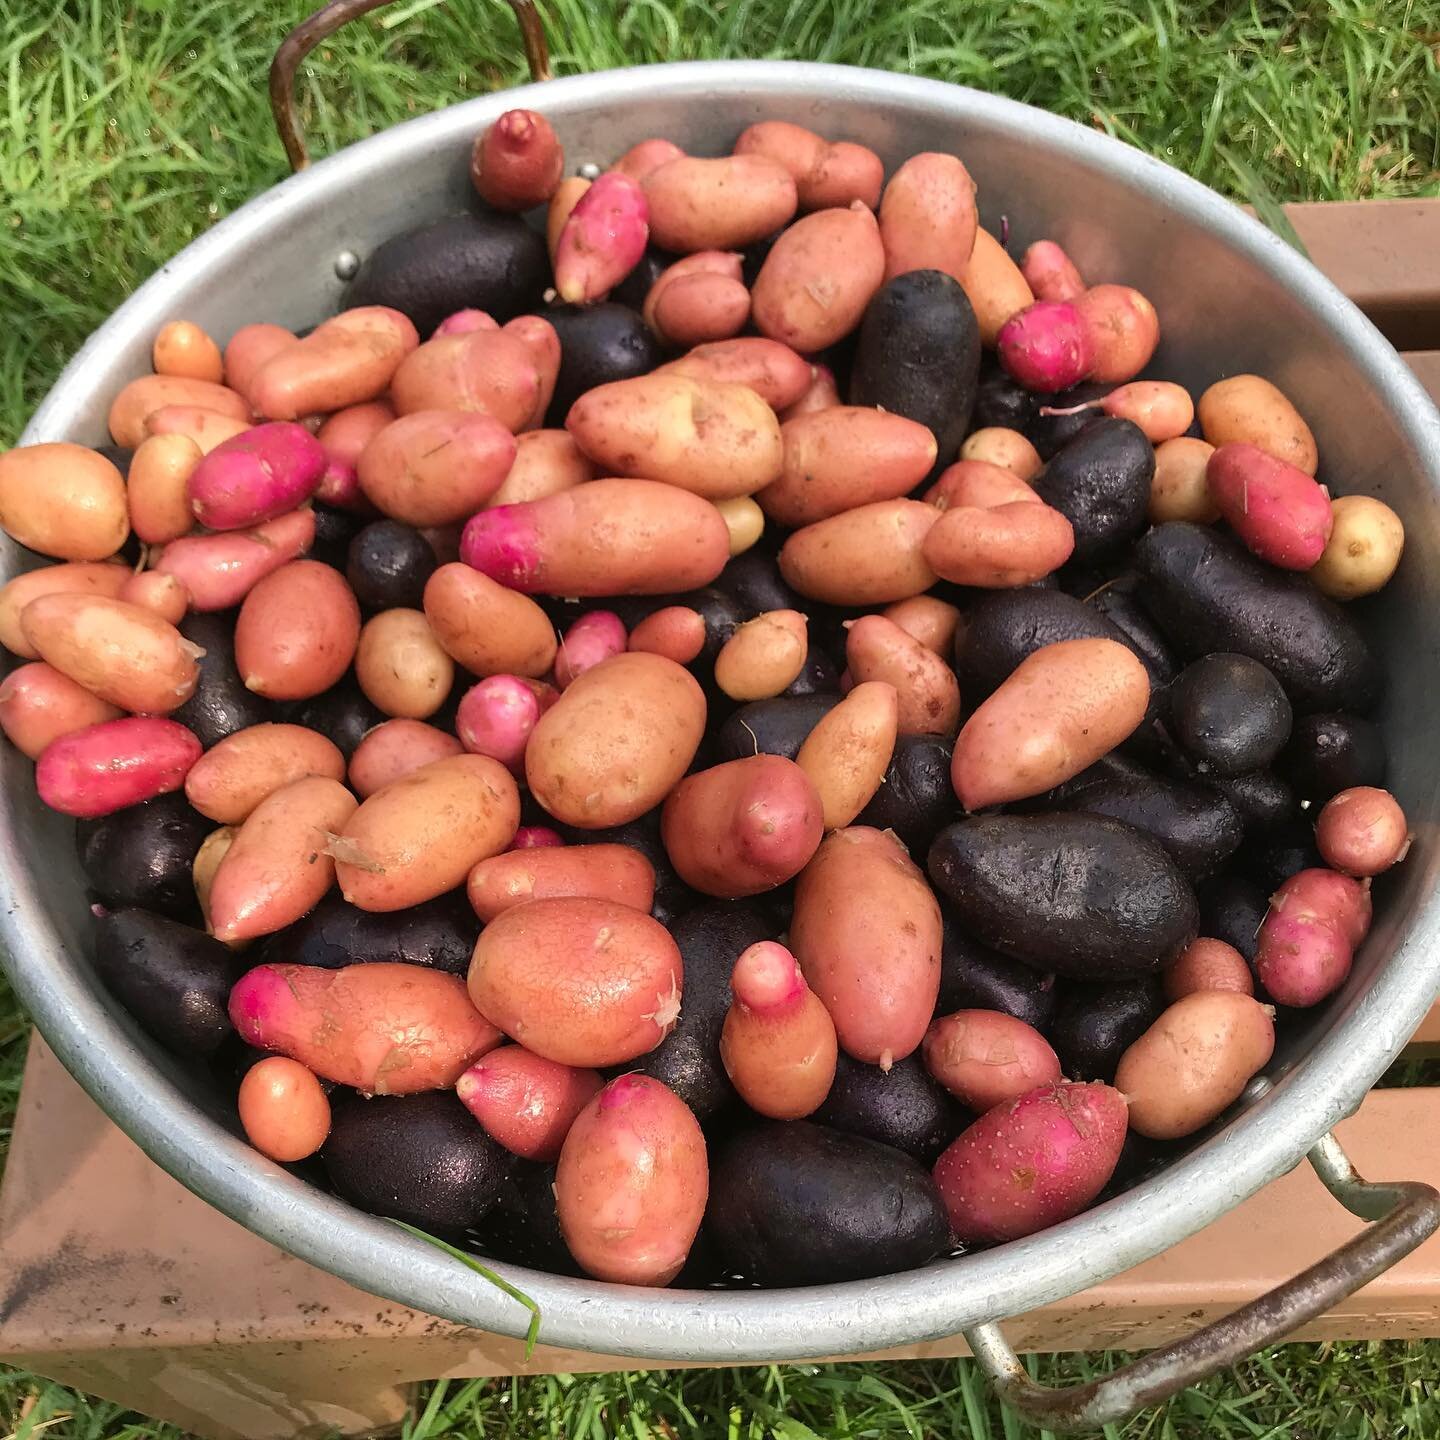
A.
pixel 118 1281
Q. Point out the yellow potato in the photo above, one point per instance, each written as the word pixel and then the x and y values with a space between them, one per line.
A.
pixel 1249 408
pixel 63 500
pixel 847 753
pixel 1365 545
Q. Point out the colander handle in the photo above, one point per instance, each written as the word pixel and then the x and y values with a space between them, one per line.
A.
pixel 326 21
pixel 1403 1214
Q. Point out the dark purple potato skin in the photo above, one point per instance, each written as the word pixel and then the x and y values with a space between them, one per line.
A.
pixel 1100 482
pixel 1003 402
pixel 599 344
pixel 772 727
pixel 1272 859
pixel 220 704
pixel 903 1107
pixel 1050 434
pixel 1229 713
pixel 524 1225
pixel 387 565
pixel 1263 801
pixel 1330 753
pixel 335 530
pixel 142 856
pixel 974 977
pixel 753 580
pixel 1094 1025
pixel 916 798
pixel 1232 909
pixel 342 714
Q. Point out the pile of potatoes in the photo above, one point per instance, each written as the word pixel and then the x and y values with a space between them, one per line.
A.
pixel 734 731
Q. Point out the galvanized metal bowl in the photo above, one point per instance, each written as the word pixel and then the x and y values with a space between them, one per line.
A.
pixel 1232 297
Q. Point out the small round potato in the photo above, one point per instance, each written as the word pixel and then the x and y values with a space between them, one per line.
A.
pixel 1362 831
pixel 1366 541
pixel 183 348
pixel 763 656
pixel 1207 964
pixel 1008 449
pixel 284 1109
pixel 401 666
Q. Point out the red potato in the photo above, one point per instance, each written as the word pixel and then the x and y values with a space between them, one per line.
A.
pixel 157 488
pixel 126 655
pixel 722 204
pixel 164 595
pixel 39 705
pixel 525 1102
pixel 562 205
pixel 610 537
pixel 401 666
pixel 725 264
pixel 77 578
pixel 142 397
pixel 744 522
pixel 773 371
pixel 1179 490
pixel 843 457
pixel 396 749
pixel 279 864
pixel 462 322
pixel 488 628
pixel 778 1041
pixel 345 434
pixel 297 631
pixel 616 742
pixel 382 1029
pixel 517 161
pixel 1362 831
pixel 496 718
pixel 1000 547
pixel 647 155
pixel 489 371
pixel 1046 347
pixel 1367 539
pixel 65 501
pixel 538 336
pixel 536 837
pixel 1280 513
pixel 580 981
pixel 632 1183
pixel 1194 1062
pixel 113 765
pixel 435 467
pixel 995 287
pixel 677 632
pixel 252 347
pixel 1249 409
pixel 346 360
pixel 1008 449
pixel 847 753
pixel 932 621
pixel 602 239
pixel 421 835
pixel 238 772
pixel 1033 1162
pixel 1122 331
pixel 866 931
pixel 877 649
pixel 1309 935
pixel 207 428
pixel 927 216
pixel 340 487
pixel 1059 711
pixel 743 827
pixel 986 1058
pixel 284 1110
pixel 714 439
pixel 219 571
pixel 595 636
pixel 763 656
pixel 1050 272
pixel 867 556
pixel 1207 964
pixel 262 473
pixel 695 309
pixel 546 462
pixel 827 175
pixel 821 393
pixel 977 484
pixel 818 278
pixel 596 872
pixel 183 348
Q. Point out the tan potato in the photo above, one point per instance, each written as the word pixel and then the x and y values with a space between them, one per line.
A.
pixel 979 484
pixel 423 834
pixel 297 631
pixel 251 347
pixel 144 396
pixel 486 627
pixel 986 1058
pixel 1122 329
pixel 541 341
pixel 616 742
pixel 763 656
pixel 821 393
pixel 995 287
pixel 773 371
pixel 347 432
pixel 827 174
pixel 999 547
pixel 932 621
pixel 206 864
pixel 844 457
pixel 435 467
pixel 1250 409
pixel 1207 964
pixel 283 1109
pixel 715 440
pixel 546 462
pixel 1008 449
pixel 1367 539
pixel 38 704
pixel 695 309
pixel 279 866
pixel 1179 490
pixel 80 578
pixel 64 500
pixel 126 655
pixel 1194 1061
pixel 847 753
pixel 927 692
pixel 928 218
pixel 395 749
pixel 744 522
pixel 156 488
pixel 401 666
pixel 183 348
pixel 598 872
pixel 163 594
pixel 562 202
pixel 207 428
pixel 871 555
pixel 722 204
pixel 818 278
pixel 238 772
pixel 677 632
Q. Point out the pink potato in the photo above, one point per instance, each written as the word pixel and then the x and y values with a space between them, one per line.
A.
pixel 1032 1162
pixel 986 1058
pixel 1000 547
pixel 77 578
pixel 871 555
pixel 602 240
pixel 1050 272
pixel 1279 511
pixel 394 749
pixel 297 631
pixel 259 474
pixel 647 155
pixel 820 393
pixel 488 628
pixel 435 467
pixel 1208 964
pixel 491 372
pixel 382 1029
pixel 743 827
pixel 1308 938
pixel 1249 408
pixel 610 537
pixel 632 1183
pixel 930 620
pixel 162 594
pixel 250 347
pixel 826 174
pixel 219 571
pixel 773 371
pixel 39 705
pixel 1046 347
pixel 345 434
pixel 866 931
pixel 525 1102
pixel 1121 331
pixel 283 1109
pixel 462 322
pixel 517 161
pixel 578 980
pixel 113 765
pixel 1362 831
pixel 598 872
pixel 496 717
pixel 141 398
pixel 1059 711
pixel 675 631
pixel 722 204
pixel 726 264
pixel 422 834
pixel 927 693
pixel 696 309
pixel 595 636
pixel 540 339
pixel 237 773
pixel 778 1041
pixel 979 484
pixel 546 462
pixel 927 216
pixel 535 837
pixel 1160 408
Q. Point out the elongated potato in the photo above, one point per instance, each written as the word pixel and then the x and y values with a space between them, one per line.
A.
pixel 206 428
pixel 156 488
pixel 773 371
pixel 115 764
pixel 142 397
pixel 999 547
pixel 602 239
pixel 986 1058
pixel 867 556
pixel 866 931
pixel 66 501
pixel 485 370
pixel 562 206
pixel 1250 409
pixel 435 467
pixel 488 628
pixel 847 753
pixel 928 695
pixel 235 775
pixel 421 835
pixel 38 705
pixel 826 174
pixel 77 578
pixel 994 285
pixel 763 656
pixel 1278 510
pixel 526 1102
pixel 258 475
pixel 249 349
pixel 597 872
pixel 546 462
pixel 1309 935
pixel 219 571
pixel 722 204
pixel 297 631
pixel 927 217
pixel 616 742
pixel 396 749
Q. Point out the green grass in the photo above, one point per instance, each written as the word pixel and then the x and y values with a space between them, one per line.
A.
pixel 127 128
